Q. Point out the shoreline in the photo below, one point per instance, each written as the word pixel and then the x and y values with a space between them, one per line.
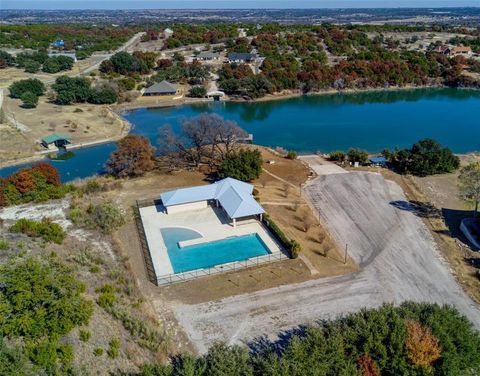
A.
pixel 120 109
pixel 42 155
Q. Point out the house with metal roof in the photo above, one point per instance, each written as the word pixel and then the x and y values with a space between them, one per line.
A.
pixel 56 139
pixel 241 57
pixel 161 88
pixel 233 196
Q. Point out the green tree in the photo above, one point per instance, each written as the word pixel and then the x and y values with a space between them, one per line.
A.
pixel 357 155
pixel 469 184
pixel 32 66
pixel 245 165
pixel 426 157
pixel 197 92
pixel 103 96
pixel 32 85
pixel 29 99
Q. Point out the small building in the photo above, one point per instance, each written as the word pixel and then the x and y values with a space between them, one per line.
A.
pixel 71 55
pixel 444 50
pixel 233 196
pixel 207 56
pixel 241 57
pixel 462 51
pixel 378 161
pixel 59 43
pixel 56 139
pixel 167 33
pixel 161 89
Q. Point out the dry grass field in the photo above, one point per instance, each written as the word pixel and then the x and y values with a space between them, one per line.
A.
pixel 85 123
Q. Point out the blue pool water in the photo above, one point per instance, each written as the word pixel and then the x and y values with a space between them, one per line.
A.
pixel 209 254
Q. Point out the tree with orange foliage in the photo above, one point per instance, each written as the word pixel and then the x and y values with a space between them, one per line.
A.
pixel 422 346
pixel 23 180
pixel 367 366
pixel 134 156
pixel 51 173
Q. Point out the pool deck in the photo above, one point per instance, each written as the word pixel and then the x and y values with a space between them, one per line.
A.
pixel 211 223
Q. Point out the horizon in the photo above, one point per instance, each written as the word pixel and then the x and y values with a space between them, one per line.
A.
pixel 73 5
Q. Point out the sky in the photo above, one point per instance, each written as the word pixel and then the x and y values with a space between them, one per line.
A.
pixel 216 4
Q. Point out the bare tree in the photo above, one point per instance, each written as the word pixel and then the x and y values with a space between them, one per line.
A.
pixel 203 138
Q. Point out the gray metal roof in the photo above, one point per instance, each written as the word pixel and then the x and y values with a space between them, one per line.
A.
pixel 234 195
pixel 162 87
pixel 241 56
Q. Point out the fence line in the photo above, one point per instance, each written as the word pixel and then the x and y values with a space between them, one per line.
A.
pixel 169 279
pixel 147 257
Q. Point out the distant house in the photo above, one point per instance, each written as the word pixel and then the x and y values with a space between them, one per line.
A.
pixel 56 139
pixel 167 33
pixel 444 50
pixel 160 89
pixel 461 50
pixel 59 43
pixel 241 57
pixel 207 56
pixel 70 55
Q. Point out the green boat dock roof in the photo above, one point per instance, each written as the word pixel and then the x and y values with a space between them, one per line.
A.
pixel 51 138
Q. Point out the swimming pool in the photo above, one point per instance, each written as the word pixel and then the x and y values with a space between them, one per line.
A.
pixel 210 254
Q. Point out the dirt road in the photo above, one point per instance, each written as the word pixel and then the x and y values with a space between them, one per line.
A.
pixel 394 249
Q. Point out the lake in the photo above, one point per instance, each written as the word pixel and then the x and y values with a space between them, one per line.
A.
pixel 371 121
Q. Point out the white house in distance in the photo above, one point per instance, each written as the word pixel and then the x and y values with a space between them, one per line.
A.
pixel 234 196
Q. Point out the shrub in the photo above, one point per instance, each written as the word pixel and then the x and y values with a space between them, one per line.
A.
pixel 57 64
pixel 40 182
pixel 48 231
pixel 126 84
pixel 197 92
pixel 105 216
pixel 291 245
pixel 4 245
pixel 367 366
pixel 85 335
pixel 114 348
pixel 102 96
pixel 32 85
pixel 107 296
pixel 98 351
pixel 29 99
pixel 337 156
pixel 422 346
pixel 42 299
pixel 133 157
pixel 245 165
pixel 292 154
pixel 357 155
pixel 32 66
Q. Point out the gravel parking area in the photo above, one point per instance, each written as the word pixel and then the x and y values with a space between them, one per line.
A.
pixel 394 249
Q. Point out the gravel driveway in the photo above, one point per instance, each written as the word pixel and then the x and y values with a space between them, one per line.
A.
pixel 394 249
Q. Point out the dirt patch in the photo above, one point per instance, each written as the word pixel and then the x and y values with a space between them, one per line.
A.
pixel 441 191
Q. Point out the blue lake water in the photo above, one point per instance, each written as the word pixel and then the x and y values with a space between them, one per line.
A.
pixel 371 121
pixel 209 254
